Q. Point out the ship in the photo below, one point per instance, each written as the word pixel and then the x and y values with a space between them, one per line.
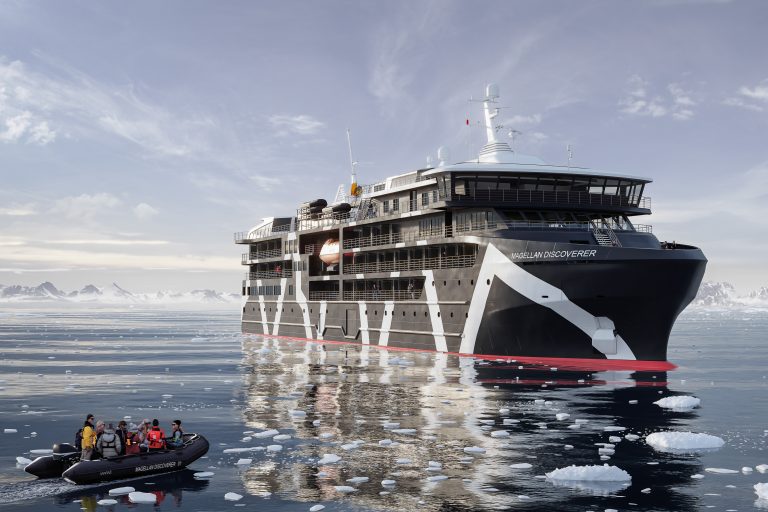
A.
pixel 503 256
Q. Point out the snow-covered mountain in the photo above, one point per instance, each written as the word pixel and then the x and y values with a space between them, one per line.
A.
pixel 112 294
pixel 723 295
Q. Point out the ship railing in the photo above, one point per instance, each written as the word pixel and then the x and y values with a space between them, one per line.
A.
pixel 379 295
pixel 259 255
pixel 394 238
pixel 554 197
pixel 440 262
pixel 244 236
pixel 270 274
pixel 542 225
pixel 323 295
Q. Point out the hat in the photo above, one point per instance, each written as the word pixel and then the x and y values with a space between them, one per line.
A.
pixel 89 417
pixel 146 420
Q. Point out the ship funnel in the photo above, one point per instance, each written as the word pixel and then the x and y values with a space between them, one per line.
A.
pixel 442 156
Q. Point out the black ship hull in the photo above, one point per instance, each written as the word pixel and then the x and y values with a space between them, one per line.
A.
pixel 521 299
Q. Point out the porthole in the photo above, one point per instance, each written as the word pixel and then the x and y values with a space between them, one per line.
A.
pixel 291 310
pixel 403 312
pixel 488 282
pixel 375 312
pixel 433 283
pixel 438 314
pixel 445 283
pixel 366 311
pixel 385 312
pixel 425 314
pixel 451 314
pixel 310 311
pixel 472 282
pixel 459 282
pixel 414 313
pixel 466 315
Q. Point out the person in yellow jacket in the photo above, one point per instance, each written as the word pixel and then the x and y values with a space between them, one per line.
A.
pixel 89 439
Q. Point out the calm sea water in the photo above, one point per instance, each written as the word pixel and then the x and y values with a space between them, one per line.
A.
pixel 58 364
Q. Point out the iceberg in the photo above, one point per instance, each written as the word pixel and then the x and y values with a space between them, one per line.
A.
pixel 683 442
pixel 679 403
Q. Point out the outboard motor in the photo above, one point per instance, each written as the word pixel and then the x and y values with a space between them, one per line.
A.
pixel 52 466
pixel 64 450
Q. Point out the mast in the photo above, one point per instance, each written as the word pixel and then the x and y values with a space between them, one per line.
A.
pixel 354 190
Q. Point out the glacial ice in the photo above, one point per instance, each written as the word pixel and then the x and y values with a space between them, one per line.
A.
pixel 720 471
pixel 232 496
pixel 316 508
pixel 763 468
pixel 121 491
pixel 679 403
pixel 604 473
pixel 106 502
pixel 329 458
pixel 142 497
pixel 23 460
pixel 344 488
pixel 474 449
pixel 521 465
pixel 358 479
pixel 761 490
pixel 683 441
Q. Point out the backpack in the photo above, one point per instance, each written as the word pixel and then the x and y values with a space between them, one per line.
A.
pixel 79 439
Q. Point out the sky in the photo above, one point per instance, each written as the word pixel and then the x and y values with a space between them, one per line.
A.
pixel 137 137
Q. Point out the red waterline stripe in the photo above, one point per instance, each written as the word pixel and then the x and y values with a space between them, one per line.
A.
pixel 566 363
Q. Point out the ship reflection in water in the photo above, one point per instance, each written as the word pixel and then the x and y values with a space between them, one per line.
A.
pixel 418 417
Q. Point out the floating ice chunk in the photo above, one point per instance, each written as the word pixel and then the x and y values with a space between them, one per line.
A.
pixel 388 483
pixel 683 441
pixel 203 474
pixel 404 431
pixel 296 413
pixel 720 471
pixel 390 424
pixel 634 402
pixel 266 433
pixel 761 490
pixel 242 450
pixel 521 465
pixel 23 460
pixel 326 435
pixel 474 449
pixel 329 458
pixel 121 491
pixel 358 479
pixel 647 490
pixel 316 508
pixel 142 497
pixel 503 411
pixel 243 462
pixel 603 473
pixel 499 433
pixel 697 476
pixel 232 496
pixel 41 451
pixel 403 461
pixel 580 421
pixel 274 447
pixel 614 428
pixel 631 437
pixel 317 424
pixel 9 431
pixel 246 439
pixel 568 447
pixel 614 439
pixel 679 403
pixel 350 446
pixel 763 468
pixel 539 401
pixel 562 416
pixel 523 497
pixel 606 451
pixel 167 396
pixel 106 502
pixel 575 426
pixel 746 470
pixel 344 488
pixel 385 442
pixel 436 478
pixel 435 464
pixel 509 421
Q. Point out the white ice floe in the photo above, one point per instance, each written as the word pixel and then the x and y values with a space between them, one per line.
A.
pixel 233 496
pixel 503 411
pixel 614 439
pixel 604 473
pixel 683 441
pixel 721 471
pixel 436 478
pixel 647 490
pixel 388 483
pixel 631 437
pixel 390 424
pixel 244 462
pixel 106 502
pixel 344 488
pixel 633 402
pixel 580 421
pixel 405 431
pixel 9 431
pixel 316 508
pixel 761 490
pixel 539 401
pixel 296 413
pixel 266 433
pixel 326 435
pixel 317 424
pixel 679 403
pixel 142 497
pixel 246 439
pixel 358 479
pixel 474 449
pixel 521 465
pixel 203 474
pixel 350 446
pixel 568 447
pixel 274 447
pixel 329 458
pixel 746 470
pixel 499 433
pixel 121 491
pixel 23 460
pixel 242 450
pixel 282 437
pixel 763 468
pixel 385 442
pixel 562 416
pixel 509 421
pixel 606 451
pixel 614 428
pixel 403 461
pixel 435 464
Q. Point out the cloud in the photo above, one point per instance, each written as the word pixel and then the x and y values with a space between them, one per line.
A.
pixel 676 101
pixel 19 210
pixel 301 124
pixel 118 241
pixel 143 211
pixel 85 206
pixel 750 98
pixel 266 183
pixel 518 120
pixel 31 102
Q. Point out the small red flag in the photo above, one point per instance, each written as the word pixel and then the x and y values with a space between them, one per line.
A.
pixel 467 122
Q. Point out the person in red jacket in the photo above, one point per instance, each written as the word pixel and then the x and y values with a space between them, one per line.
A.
pixel 156 436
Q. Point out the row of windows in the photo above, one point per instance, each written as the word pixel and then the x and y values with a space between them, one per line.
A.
pixel 375 312
pixel 255 291
pixel 394 204
pixel 290 246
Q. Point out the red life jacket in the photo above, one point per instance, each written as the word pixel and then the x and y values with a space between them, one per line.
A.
pixel 156 438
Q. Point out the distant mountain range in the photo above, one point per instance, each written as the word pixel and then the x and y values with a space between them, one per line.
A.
pixel 723 295
pixel 112 294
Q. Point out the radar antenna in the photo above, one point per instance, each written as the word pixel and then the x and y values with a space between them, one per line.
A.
pixel 354 189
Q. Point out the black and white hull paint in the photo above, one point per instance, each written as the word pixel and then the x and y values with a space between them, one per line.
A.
pixel 503 257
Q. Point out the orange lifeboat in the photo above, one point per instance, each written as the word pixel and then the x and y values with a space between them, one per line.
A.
pixel 329 253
